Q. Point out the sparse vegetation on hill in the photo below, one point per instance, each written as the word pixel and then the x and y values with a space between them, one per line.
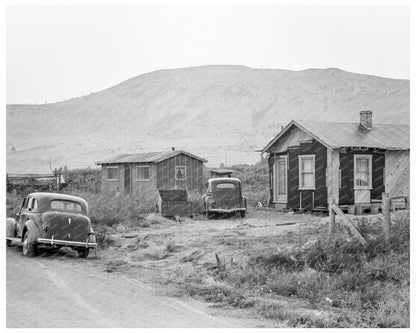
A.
pixel 217 112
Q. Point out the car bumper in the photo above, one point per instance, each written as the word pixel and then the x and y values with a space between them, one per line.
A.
pixel 231 210
pixel 65 242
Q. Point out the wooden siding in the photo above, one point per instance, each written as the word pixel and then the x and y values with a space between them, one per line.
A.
pixel 347 195
pixel 346 192
pixel 141 187
pixel 289 139
pixel 113 186
pixel 293 195
pixel 332 175
pixel 379 164
pixel 271 178
pixel 194 173
pixel 397 173
pixel 305 199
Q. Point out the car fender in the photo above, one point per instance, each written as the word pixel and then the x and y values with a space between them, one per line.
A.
pixel 11 227
pixel 35 232
pixel 244 201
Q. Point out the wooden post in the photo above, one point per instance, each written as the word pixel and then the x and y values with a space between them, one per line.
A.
pixel 331 219
pixel 353 230
pixel 386 215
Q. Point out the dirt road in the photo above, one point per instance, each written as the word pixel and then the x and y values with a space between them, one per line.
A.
pixel 63 291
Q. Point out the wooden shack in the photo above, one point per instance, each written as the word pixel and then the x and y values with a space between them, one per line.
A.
pixel 313 162
pixel 149 172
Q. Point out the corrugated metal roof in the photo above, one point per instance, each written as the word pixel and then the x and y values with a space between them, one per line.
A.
pixel 152 157
pixel 338 134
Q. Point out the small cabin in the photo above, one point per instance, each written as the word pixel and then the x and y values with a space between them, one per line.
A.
pixel 221 173
pixel 312 163
pixel 148 172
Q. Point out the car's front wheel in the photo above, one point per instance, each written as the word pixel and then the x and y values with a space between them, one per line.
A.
pixel 29 247
pixel 83 253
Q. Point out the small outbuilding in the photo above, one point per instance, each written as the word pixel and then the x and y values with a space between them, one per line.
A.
pixel 222 173
pixel 149 172
pixel 314 162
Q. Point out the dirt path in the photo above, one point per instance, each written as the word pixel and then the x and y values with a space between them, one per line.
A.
pixel 70 292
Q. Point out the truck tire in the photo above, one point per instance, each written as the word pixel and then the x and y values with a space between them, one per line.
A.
pixel 83 253
pixel 30 249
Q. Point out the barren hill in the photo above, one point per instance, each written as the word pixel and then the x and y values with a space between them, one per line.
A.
pixel 222 113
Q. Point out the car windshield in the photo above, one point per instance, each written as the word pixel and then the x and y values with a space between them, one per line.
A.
pixel 224 186
pixel 65 205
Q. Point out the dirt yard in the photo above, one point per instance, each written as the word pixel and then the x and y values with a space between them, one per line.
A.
pixel 173 257
pixel 205 273
pixel 143 271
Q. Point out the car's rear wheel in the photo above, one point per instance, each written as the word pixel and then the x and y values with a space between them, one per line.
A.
pixel 243 214
pixel 83 253
pixel 29 247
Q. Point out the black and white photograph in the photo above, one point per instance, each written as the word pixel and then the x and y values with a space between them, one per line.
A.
pixel 207 164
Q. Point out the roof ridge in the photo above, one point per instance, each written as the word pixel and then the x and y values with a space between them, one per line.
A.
pixel 346 122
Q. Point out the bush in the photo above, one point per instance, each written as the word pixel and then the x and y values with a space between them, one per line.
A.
pixel 84 179
pixel 369 284
pixel 113 208
pixel 255 181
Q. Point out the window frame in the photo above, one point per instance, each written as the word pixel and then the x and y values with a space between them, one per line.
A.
pixel 370 176
pixel 106 173
pixel 301 157
pixel 176 172
pixel 137 173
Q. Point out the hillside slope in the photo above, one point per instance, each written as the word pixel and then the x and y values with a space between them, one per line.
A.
pixel 222 113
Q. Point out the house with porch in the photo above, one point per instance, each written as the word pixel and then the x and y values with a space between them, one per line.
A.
pixel 314 162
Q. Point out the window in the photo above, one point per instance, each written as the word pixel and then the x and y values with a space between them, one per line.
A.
pixel 362 171
pixel 307 172
pixel 112 173
pixel 32 203
pixel 65 205
pixel 180 173
pixel 143 173
pixel 229 186
pixel 281 176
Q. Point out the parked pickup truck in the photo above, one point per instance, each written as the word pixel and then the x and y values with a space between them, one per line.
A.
pixel 224 196
pixel 52 219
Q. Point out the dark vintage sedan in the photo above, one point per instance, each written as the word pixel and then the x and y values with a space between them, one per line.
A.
pixel 224 196
pixel 52 219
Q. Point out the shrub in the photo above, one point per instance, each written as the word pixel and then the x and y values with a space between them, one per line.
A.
pixel 112 208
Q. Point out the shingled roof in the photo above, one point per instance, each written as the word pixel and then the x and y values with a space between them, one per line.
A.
pixel 338 134
pixel 153 157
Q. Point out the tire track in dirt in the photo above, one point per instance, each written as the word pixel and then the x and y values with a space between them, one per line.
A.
pixel 61 291
pixel 76 297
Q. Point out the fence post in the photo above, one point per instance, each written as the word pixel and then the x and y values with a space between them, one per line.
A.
pixel 331 219
pixel 386 215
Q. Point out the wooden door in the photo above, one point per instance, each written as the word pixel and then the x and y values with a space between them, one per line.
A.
pixel 280 181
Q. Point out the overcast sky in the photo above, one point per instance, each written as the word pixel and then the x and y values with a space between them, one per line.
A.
pixel 59 52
